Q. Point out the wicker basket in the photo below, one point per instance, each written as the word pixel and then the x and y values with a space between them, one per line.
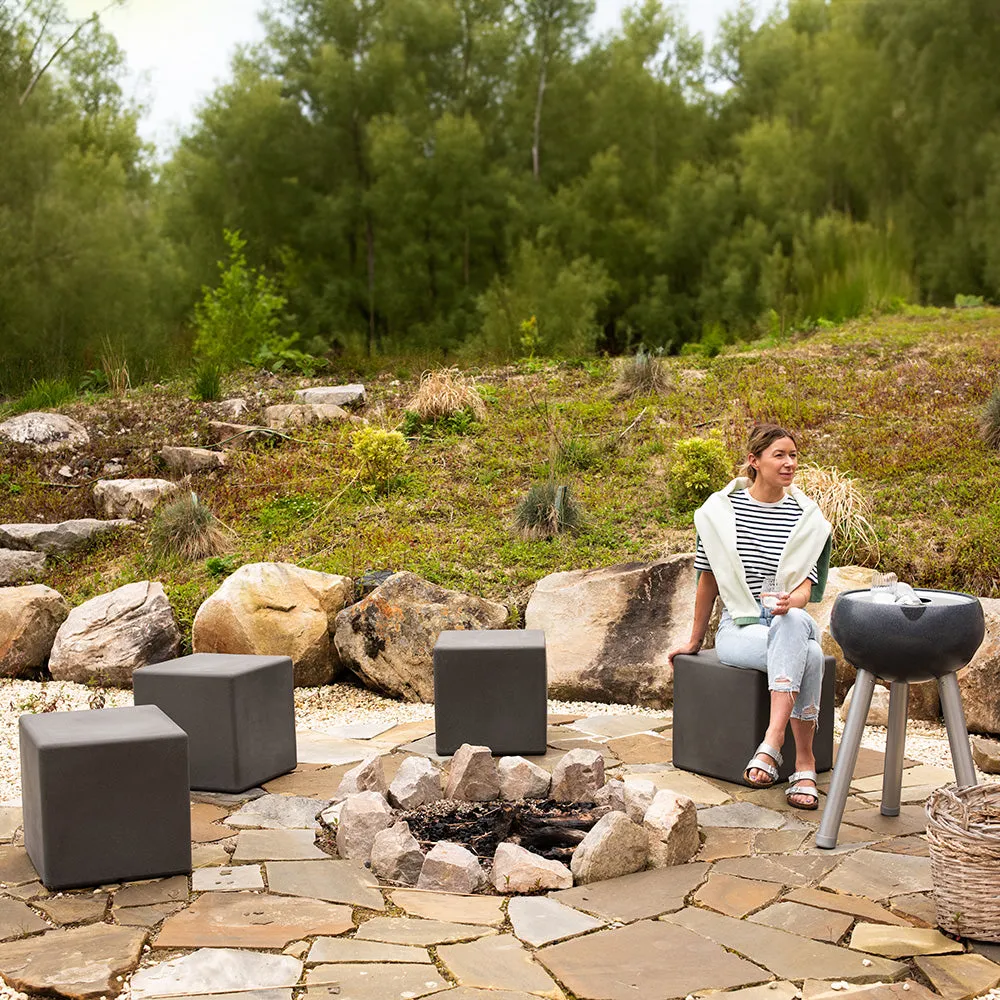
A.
pixel 963 828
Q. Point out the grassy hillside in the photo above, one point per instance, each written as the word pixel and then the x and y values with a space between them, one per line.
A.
pixel 892 402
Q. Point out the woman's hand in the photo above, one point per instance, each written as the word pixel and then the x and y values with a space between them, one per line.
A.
pixel 784 603
pixel 684 650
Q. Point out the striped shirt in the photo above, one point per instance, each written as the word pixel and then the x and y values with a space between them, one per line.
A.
pixel 762 529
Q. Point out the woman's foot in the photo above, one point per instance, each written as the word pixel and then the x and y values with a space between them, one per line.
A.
pixel 802 792
pixel 762 769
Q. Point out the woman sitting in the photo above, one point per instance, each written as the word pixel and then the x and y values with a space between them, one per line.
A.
pixel 762 528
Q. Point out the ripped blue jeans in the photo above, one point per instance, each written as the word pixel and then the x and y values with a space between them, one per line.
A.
pixel 787 649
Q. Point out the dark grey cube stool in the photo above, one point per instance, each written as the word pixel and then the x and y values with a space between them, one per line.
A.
pixel 238 712
pixel 721 715
pixel 491 689
pixel 105 796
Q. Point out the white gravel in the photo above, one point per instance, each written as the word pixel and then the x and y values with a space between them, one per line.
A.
pixel 319 709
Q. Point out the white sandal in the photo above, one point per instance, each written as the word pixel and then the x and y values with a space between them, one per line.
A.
pixel 806 790
pixel 762 765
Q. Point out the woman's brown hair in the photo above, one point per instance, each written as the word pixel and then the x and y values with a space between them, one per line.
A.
pixel 761 438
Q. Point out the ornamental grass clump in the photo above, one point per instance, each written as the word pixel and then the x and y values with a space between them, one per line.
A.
pixel 700 467
pixel 989 422
pixel 546 511
pixel 444 393
pixel 188 529
pixel 847 509
pixel 644 374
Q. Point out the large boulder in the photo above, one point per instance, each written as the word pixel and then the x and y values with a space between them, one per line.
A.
pixel 388 638
pixel 290 415
pixel 338 395
pixel 107 637
pixel 979 682
pixel 60 538
pixel 45 432
pixel 608 630
pixel 20 566
pixel 131 497
pixel 276 609
pixel 614 846
pixel 29 620
pixel 924 702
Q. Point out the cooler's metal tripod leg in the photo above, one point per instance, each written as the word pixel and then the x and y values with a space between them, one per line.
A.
pixel 847 757
pixel 895 744
pixel 958 733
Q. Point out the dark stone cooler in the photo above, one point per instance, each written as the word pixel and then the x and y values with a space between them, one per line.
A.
pixel 903 645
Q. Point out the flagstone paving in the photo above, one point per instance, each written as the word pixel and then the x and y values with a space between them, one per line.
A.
pixel 269 910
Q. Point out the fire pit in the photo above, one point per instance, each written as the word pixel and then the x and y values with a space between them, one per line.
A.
pixel 903 645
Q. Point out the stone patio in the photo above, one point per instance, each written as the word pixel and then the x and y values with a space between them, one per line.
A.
pixel 760 912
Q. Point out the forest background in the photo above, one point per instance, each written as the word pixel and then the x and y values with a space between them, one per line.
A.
pixel 483 179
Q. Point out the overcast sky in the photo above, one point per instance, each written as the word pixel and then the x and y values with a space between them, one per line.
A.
pixel 178 50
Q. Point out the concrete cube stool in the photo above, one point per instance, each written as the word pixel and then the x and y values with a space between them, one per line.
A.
pixel 491 689
pixel 105 796
pixel 721 715
pixel 238 712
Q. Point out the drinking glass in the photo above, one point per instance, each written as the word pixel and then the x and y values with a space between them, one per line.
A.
pixel 769 593
pixel 884 587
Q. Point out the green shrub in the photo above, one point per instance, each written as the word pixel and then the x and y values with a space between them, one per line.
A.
pixel 217 566
pixel 969 302
pixel 989 422
pixel 285 358
pixel 241 315
pixel 381 455
pixel 44 394
pixel 188 529
pixel 207 382
pixel 545 511
pixel 700 467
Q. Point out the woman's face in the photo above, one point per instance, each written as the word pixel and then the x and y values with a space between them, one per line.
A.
pixel 776 465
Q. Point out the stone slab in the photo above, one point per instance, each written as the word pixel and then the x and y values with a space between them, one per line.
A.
pixel 612 726
pixel 813 989
pixel 921 774
pixel 426 746
pixel 642 748
pixel 215 970
pixel 785 841
pixel 725 842
pixel 450 907
pixel 277 845
pixel 788 956
pixel 406 930
pixel 250 920
pixel 373 982
pixel 405 732
pixel 743 816
pixel 808 921
pixel 567 744
pixel 208 855
pixel 735 897
pixel 78 962
pixel 18 920
pixel 700 790
pixel 278 812
pixel 228 800
pixel 205 826
pixel 229 879
pixel 312 781
pixel 11 820
pixel 633 897
pixel 333 881
pixel 16 867
pixel 911 819
pixel 777 989
pixel 855 906
pixel 499 962
pixel 352 950
pixel 360 730
pixel 959 977
pixel 918 907
pixel 916 846
pixel 144 916
pixel 163 890
pixel 646 959
pixel 317 748
pixel 796 870
pixel 902 942
pixel 74 908
pixel 879 876
pixel 539 921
